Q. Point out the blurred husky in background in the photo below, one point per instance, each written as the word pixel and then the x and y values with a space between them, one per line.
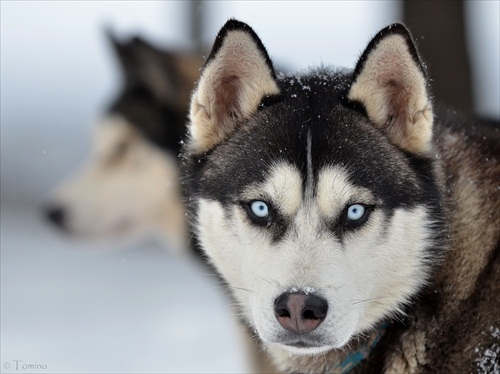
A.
pixel 130 184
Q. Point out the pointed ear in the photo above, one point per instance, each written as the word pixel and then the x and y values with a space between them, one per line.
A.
pixel 390 82
pixel 117 46
pixel 237 75
pixel 147 67
pixel 153 69
pixel 108 31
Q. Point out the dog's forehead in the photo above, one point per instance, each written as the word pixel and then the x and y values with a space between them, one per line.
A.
pixel 331 190
pixel 308 122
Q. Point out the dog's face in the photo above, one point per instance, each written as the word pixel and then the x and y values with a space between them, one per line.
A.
pixel 314 196
pixel 123 188
pixel 130 182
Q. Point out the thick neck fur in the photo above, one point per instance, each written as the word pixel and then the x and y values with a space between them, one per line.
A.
pixel 457 308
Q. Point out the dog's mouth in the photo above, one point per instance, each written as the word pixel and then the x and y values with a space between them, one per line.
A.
pixel 304 346
pixel 301 343
pixel 312 343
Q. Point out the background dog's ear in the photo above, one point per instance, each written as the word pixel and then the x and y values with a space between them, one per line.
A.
pixel 390 82
pixel 112 39
pixel 148 68
pixel 237 75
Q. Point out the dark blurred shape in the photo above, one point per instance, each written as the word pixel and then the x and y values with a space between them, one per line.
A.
pixel 56 215
pixel 439 30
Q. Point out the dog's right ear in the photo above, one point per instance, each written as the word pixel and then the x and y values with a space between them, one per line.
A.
pixel 237 75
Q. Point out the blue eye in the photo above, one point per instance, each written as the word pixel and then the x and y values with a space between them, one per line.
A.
pixel 355 212
pixel 355 215
pixel 259 209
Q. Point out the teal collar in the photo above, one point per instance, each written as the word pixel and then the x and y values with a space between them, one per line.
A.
pixel 354 358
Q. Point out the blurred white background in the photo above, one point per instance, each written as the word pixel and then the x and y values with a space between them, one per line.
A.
pixel 80 307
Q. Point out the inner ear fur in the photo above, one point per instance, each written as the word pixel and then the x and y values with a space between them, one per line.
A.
pixel 237 75
pixel 390 82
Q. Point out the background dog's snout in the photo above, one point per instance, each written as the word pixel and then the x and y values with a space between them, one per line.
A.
pixel 300 313
pixel 56 215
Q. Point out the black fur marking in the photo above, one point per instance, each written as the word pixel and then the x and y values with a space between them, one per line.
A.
pixel 354 105
pixel 270 100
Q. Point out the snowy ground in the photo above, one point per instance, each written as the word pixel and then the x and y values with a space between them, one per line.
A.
pixel 82 308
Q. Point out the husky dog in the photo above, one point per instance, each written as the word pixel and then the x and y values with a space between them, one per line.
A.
pixel 131 182
pixel 355 223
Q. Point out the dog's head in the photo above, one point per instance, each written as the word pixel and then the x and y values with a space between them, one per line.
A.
pixel 131 180
pixel 314 196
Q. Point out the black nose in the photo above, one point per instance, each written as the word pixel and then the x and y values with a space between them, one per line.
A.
pixel 56 215
pixel 300 313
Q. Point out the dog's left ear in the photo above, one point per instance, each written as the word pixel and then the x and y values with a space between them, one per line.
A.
pixel 237 75
pixel 391 84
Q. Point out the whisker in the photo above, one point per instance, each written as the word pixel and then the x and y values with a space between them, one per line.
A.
pixel 264 279
pixel 339 287
pixel 358 301
pixel 243 289
pixel 268 280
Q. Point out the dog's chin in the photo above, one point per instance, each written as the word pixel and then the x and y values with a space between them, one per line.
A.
pixel 311 345
pixel 304 349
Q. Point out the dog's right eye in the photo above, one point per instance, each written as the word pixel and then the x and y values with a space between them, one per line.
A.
pixel 259 212
pixel 355 212
pixel 117 153
pixel 259 209
pixel 120 149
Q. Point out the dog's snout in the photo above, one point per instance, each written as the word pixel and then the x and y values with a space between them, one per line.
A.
pixel 56 215
pixel 300 313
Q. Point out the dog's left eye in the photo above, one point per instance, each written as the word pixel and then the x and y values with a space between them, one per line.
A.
pixel 259 209
pixel 355 212
pixel 356 215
